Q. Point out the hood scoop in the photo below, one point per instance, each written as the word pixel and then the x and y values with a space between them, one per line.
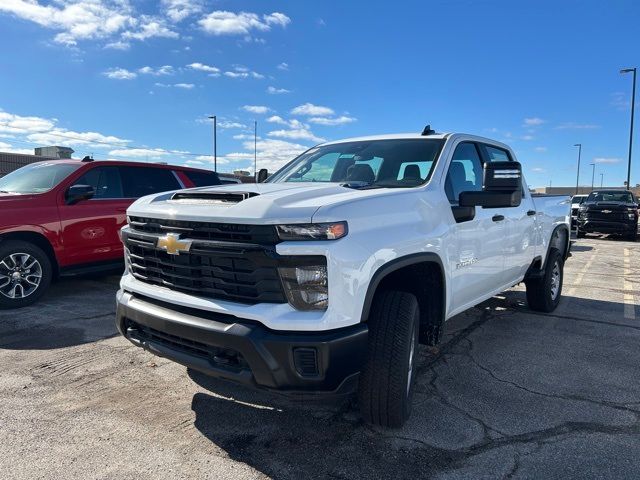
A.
pixel 212 197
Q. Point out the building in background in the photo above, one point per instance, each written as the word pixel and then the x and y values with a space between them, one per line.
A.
pixel 13 161
pixel 54 152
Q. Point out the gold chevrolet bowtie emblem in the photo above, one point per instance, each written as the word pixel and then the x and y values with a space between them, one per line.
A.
pixel 172 244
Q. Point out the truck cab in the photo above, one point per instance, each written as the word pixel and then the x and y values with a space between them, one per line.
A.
pixel 324 279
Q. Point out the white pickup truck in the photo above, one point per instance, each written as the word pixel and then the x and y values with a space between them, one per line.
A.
pixel 325 278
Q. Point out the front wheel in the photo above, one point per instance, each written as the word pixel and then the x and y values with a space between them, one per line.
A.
pixel 386 381
pixel 25 273
pixel 543 294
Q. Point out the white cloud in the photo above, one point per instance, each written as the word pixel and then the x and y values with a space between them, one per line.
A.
pixel 540 149
pixel 576 126
pixel 620 100
pixel 11 123
pixel 139 152
pixel 60 136
pixel 158 71
pixel 243 136
pixel 229 23
pixel 118 45
pixel 150 27
pixel 258 109
pixel 204 68
pixel 296 134
pixel 178 10
pixel 229 124
pixel 79 20
pixel 608 160
pixel 283 66
pixel 533 122
pixel 240 71
pixel 538 170
pixel 342 120
pixel 527 137
pixel 120 74
pixel 310 109
pixel 277 119
pixel 201 159
pixel 186 86
pixel 276 91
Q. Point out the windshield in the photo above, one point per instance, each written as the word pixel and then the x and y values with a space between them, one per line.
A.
pixel 621 196
pixel 375 163
pixel 36 178
pixel 578 199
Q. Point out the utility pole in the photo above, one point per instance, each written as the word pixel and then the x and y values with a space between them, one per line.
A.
pixel 579 145
pixel 601 179
pixel 633 104
pixel 215 142
pixel 593 174
pixel 255 147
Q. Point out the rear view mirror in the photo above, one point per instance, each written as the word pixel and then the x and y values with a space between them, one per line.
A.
pixel 77 193
pixel 263 173
pixel 502 187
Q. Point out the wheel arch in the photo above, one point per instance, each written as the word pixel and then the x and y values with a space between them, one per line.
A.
pixel 420 274
pixel 560 239
pixel 38 240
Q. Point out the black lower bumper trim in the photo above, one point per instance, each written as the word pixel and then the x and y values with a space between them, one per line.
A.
pixel 607 227
pixel 245 352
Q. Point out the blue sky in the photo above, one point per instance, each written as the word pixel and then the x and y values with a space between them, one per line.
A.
pixel 136 79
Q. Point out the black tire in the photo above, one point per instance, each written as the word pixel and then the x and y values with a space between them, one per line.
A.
pixel 632 237
pixel 42 268
pixel 386 382
pixel 540 291
pixel 580 233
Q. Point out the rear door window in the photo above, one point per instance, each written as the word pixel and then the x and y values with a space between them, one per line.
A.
pixel 140 181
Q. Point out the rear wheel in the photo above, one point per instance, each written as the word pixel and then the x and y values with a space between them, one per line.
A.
pixel 633 236
pixel 580 233
pixel 386 382
pixel 543 294
pixel 25 273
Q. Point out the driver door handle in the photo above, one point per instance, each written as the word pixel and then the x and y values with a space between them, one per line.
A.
pixel 497 218
pixel 531 213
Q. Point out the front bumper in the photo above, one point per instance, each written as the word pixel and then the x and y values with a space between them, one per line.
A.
pixel 227 347
pixel 599 226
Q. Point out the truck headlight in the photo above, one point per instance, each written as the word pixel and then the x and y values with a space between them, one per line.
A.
pixel 312 231
pixel 306 287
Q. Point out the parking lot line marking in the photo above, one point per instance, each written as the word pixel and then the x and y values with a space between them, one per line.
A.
pixel 629 301
pixel 581 273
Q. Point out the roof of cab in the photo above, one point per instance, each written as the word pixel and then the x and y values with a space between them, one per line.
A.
pixel 120 162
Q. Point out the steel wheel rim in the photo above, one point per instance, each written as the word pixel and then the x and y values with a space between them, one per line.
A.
pixel 411 355
pixel 555 281
pixel 20 275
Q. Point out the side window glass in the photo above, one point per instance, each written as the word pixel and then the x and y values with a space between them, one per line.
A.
pixel 105 180
pixel 496 154
pixel 140 181
pixel 465 172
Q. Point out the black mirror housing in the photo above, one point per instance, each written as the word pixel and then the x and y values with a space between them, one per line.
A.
pixel 77 193
pixel 502 187
pixel 263 173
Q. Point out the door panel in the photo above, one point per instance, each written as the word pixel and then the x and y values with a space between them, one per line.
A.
pixel 476 257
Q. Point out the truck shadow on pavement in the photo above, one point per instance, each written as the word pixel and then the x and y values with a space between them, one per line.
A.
pixel 509 391
pixel 75 311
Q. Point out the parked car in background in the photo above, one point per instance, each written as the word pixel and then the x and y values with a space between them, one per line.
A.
pixel 609 211
pixel 324 279
pixel 576 201
pixel 62 217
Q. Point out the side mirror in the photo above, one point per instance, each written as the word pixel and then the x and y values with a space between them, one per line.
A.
pixel 502 187
pixel 263 173
pixel 76 193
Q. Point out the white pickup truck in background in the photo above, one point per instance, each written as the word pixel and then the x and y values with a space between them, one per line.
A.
pixel 324 279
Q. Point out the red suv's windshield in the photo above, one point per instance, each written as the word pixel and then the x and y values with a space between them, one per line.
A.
pixel 36 178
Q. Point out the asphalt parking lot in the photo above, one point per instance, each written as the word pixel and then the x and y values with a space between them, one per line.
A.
pixel 509 394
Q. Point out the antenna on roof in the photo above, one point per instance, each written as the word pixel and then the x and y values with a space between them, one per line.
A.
pixel 427 131
pixel 87 159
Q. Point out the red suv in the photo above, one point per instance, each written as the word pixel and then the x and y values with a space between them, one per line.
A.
pixel 62 217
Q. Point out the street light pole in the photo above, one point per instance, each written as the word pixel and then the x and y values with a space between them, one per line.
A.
pixel 579 145
pixel 601 179
pixel 255 147
pixel 593 174
pixel 633 104
pixel 215 142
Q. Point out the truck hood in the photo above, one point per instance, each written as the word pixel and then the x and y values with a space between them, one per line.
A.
pixel 266 203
